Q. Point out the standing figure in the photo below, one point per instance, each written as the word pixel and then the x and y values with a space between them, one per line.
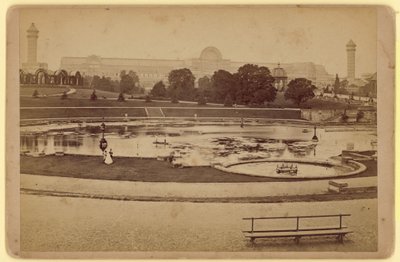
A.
pixel 111 153
pixel 104 155
pixel 108 160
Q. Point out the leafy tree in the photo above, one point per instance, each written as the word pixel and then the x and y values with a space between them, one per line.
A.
pixel 128 82
pixel 255 85
pixel 223 83
pixel 159 90
pixel 342 87
pixel 201 100
pixel 103 83
pixel 136 81
pixel 206 87
pixel 228 101
pixel 174 98
pixel 369 89
pixel 204 83
pixel 344 83
pixel 327 89
pixel 35 94
pixel 299 90
pixel 121 97
pixel 181 84
pixel 93 96
pixel 336 85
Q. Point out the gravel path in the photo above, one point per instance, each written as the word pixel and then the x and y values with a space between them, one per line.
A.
pixel 188 190
pixel 75 224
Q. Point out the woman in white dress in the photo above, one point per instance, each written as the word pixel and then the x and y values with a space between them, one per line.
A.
pixel 108 160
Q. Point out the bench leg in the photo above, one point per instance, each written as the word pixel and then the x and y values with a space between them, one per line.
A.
pixel 252 239
pixel 297 240
pixel 340 238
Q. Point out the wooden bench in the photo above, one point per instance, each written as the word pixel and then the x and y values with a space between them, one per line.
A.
pixel 337 187
pixel 298 231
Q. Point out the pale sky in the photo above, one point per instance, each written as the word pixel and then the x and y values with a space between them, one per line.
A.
pixel 248 34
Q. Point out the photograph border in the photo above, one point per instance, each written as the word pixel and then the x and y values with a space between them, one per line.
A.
pixel 385 72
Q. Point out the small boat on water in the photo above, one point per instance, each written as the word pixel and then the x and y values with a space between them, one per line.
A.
pixel 287 169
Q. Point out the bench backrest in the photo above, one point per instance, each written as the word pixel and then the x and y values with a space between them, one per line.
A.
pixel 297 223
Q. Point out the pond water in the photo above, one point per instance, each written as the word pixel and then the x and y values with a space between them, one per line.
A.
pixel 195 143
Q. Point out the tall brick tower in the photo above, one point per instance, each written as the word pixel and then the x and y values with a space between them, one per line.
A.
pixel 32 64
pixel 351 60
pixel 32 35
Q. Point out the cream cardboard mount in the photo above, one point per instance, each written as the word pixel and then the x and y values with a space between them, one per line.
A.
pixel 200 131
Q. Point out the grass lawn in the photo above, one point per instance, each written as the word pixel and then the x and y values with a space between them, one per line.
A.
pixel 233 112
pixel 74 102
pixel 81 99
pixel 86 92
pixel 315 103
pixel 81 112
pixel 28 91
pixel 135 169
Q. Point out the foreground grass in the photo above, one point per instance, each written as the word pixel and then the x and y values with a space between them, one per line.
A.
pixel 135 169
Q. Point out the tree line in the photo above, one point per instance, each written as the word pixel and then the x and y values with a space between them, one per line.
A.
pixel 128 83
pixel 341 87
pixel 251 85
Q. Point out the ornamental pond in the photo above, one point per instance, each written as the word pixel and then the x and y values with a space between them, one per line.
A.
pixel 254 149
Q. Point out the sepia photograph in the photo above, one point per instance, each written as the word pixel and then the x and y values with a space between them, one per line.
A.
pixel 200 131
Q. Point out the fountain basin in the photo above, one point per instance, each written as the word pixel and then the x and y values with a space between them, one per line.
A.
pixel 307 169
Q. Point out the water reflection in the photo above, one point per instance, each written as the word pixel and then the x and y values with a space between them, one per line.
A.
pixel 199 144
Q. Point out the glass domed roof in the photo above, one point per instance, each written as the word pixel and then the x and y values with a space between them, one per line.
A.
pixel 278 71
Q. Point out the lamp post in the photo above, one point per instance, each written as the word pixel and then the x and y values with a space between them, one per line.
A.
pixel 103 142
pixel 315 138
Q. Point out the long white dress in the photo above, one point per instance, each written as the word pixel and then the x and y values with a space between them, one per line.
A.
pixel 108 160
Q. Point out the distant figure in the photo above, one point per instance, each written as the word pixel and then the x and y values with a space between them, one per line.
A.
pixel 111 153
pixel 104 155
pixel 108 160
pixel 241 123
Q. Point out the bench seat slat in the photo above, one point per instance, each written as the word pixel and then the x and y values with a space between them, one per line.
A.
pixel 297 233
pixel 294 230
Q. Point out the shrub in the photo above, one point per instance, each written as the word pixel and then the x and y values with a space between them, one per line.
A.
pixel 121 97
pixel 174 100
pixel 35 94
pixel 93 96
pixel 360 115
pixel 345 117
pixel 148 99
pixel 64 95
